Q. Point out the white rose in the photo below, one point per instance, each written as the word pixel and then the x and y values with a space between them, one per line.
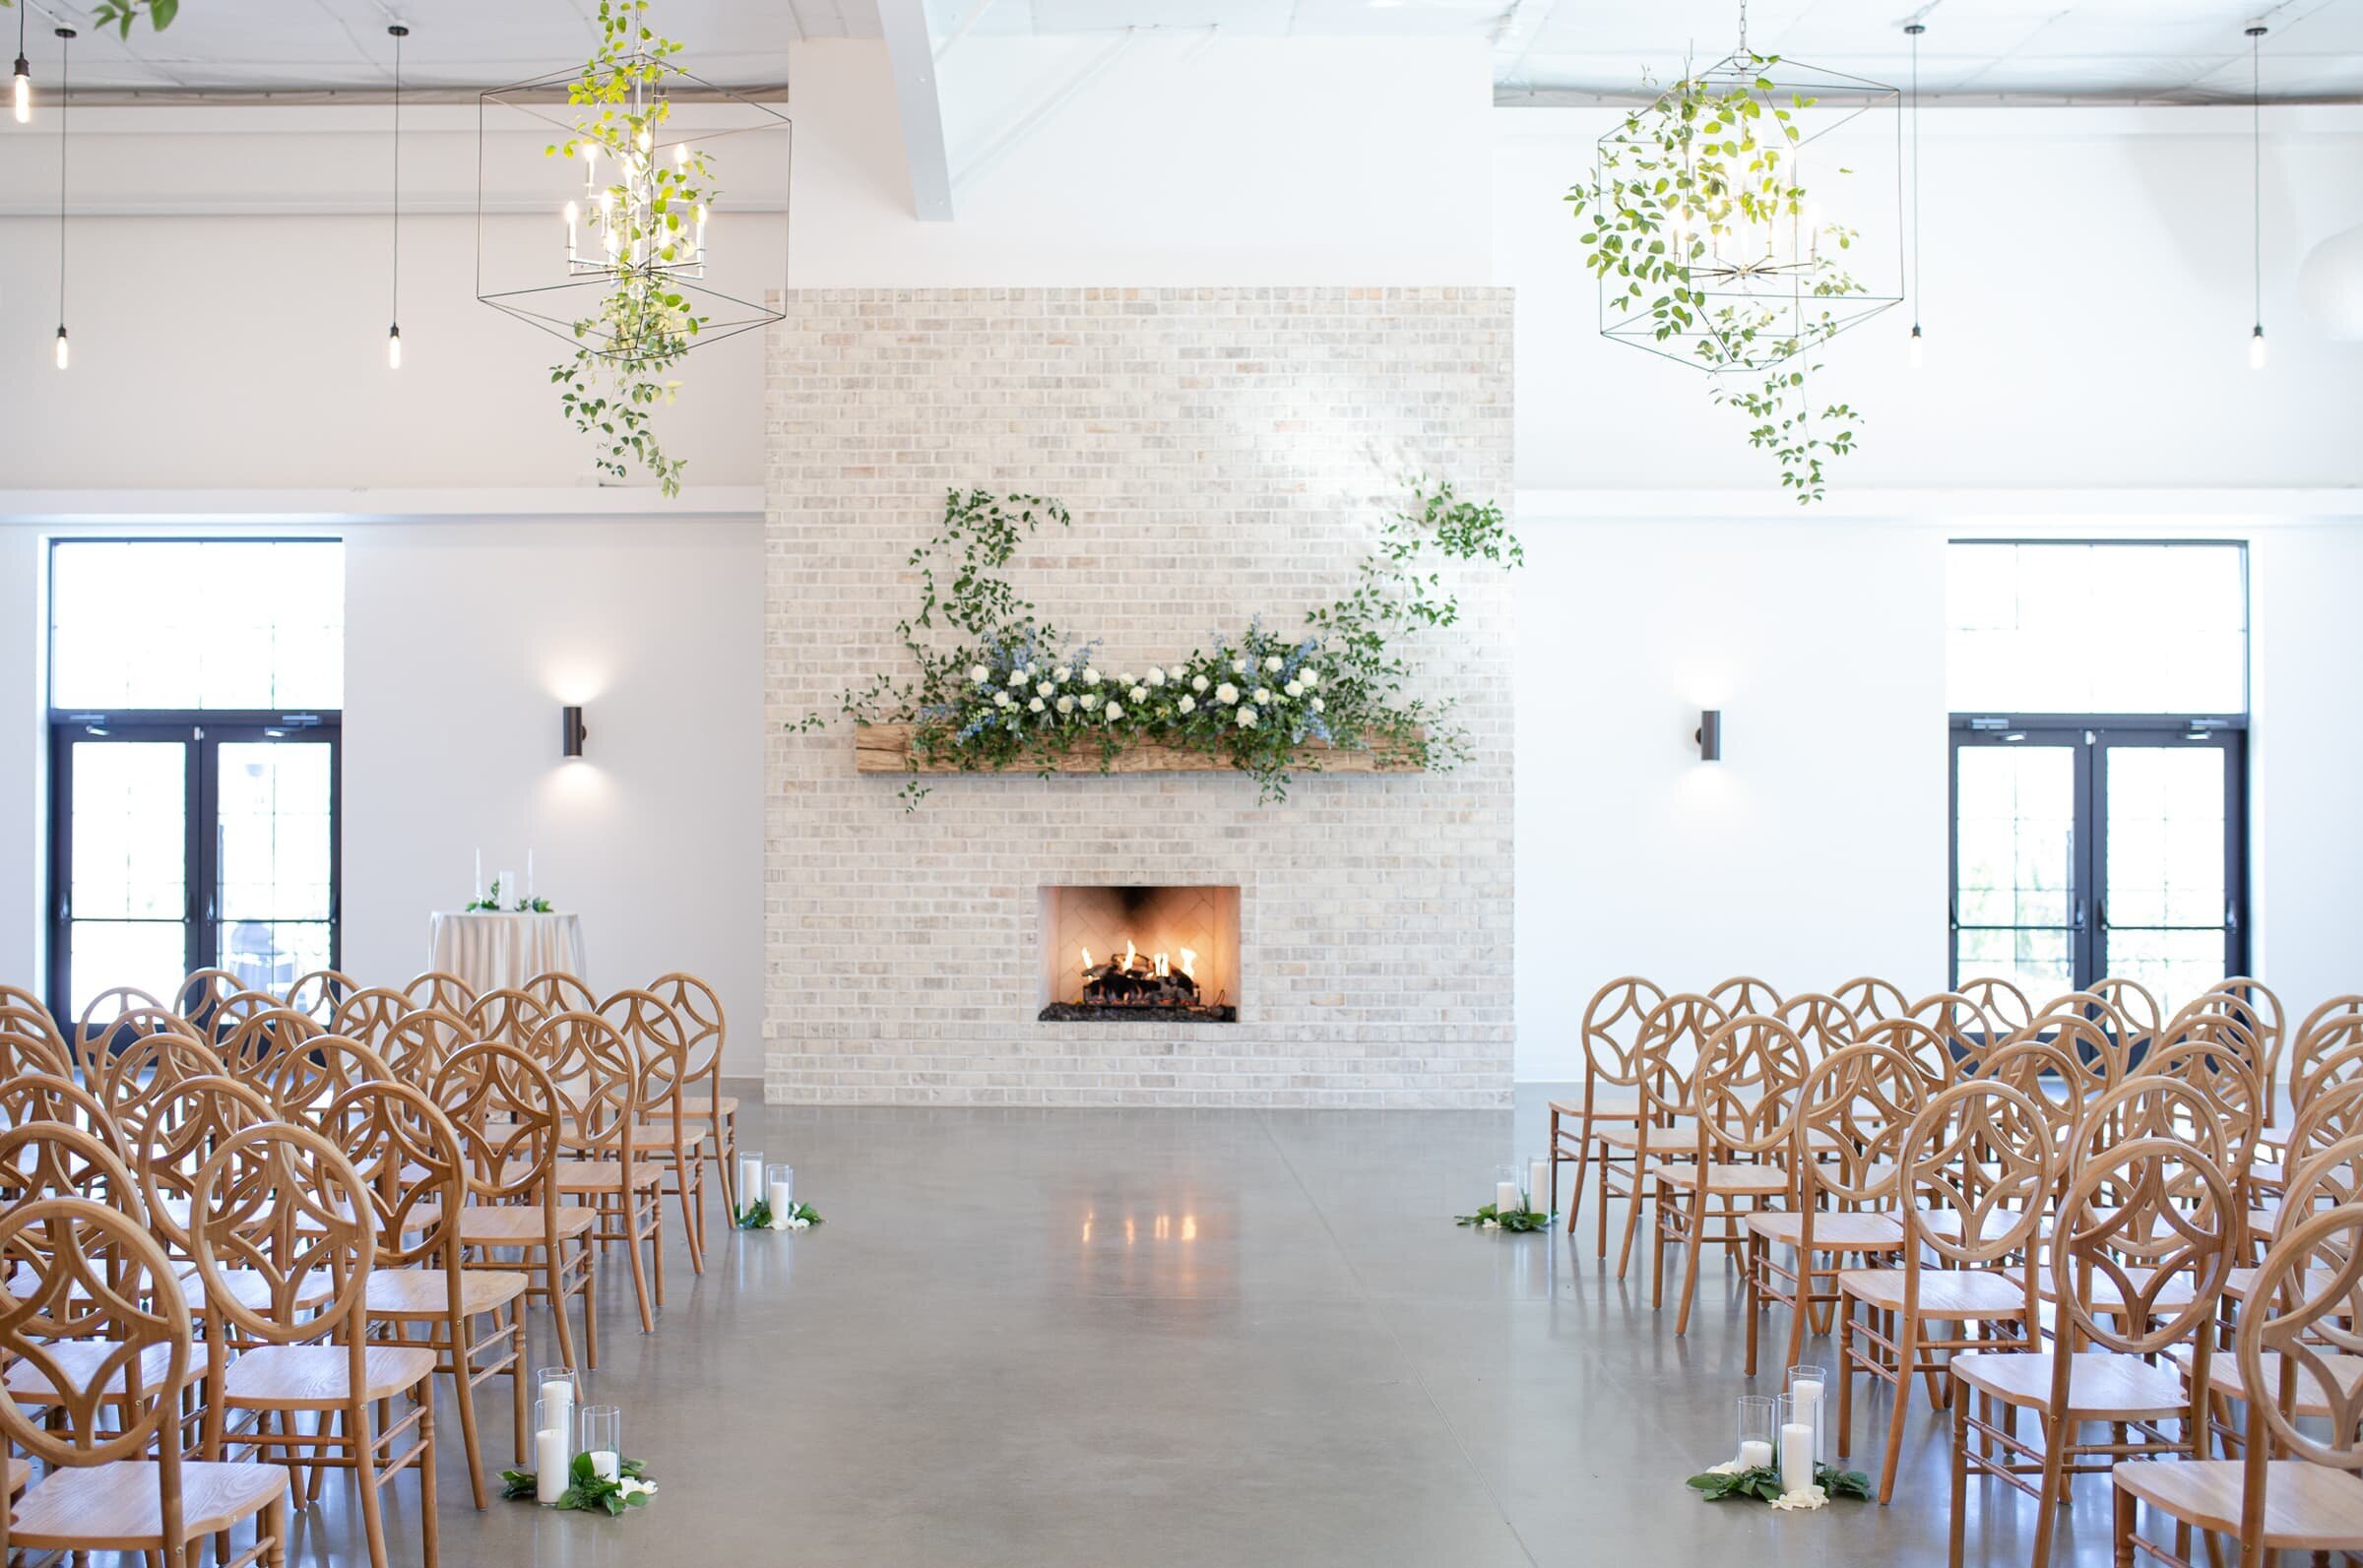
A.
pixel 1002 699
pixel 1091 700
pixel 1058 675
pixel 1197 683
pixel 1310 677
pixel 1067 705
pixel 1239 666
pixel 1091 675
pixel 1034 705
pixel 1026 670
pixel 1125 680
pixel 1188 704
pixel 1226 693
pixel 1116 710
pixel 1318 704
pixel 978 673
pixel 1044 689
pixel 1273 662
pixel 1295 688
pixel 1140 694
pixel 1156 676
pixel 1246 719
pixel 1017 677
pixel 1263 694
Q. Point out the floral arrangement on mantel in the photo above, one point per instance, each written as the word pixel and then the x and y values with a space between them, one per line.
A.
pixel 1014 691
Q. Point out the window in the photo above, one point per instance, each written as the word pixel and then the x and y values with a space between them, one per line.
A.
pixel 196 689
pixel 2099 695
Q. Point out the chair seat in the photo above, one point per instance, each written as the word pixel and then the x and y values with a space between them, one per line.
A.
pixel 2308 1507
pixel 319 1378
pixel 2237 1282
pixel 2107 1296
pixel 251 1288
pixel 1832 1232
pixel 1964 1294
pixel 601 1175
pixel 2225 1377
pixel 426 1292
pixel 518 1226
pixel 703 1106
pixel 123 1502
pixel 1605 1107
pixel 1735 1181
pixel 80 1361
pixel 20 1471
pixel 1679 1139
pixel 2101 1386
pixel 2268 1174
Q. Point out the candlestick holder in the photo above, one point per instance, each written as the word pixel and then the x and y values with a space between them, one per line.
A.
pixel 1757 1432
pixel 1509 1191
pixel 602 1439
pixel 561 1389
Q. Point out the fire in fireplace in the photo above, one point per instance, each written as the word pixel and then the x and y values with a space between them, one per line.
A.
pixel 1141 954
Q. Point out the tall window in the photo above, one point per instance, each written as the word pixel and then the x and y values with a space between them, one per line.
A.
pixel 2099 696
pixel 196 688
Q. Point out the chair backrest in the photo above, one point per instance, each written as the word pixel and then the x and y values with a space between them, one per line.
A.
pixel 506 1111
pixel 507 1015
pixel 2134 1003
pixel 2337 1025
pixel 320 993
pixel 255 1039
pixel 1969 1036
pixel 2151 1105
pixel 17 999
pixel 283 1206
pixel 2049 1077
pixel 2330 1118
pixel 1746 1087
pixel 27 1096
pixel 196 997
pixel 2097 1050
pixel 1982 1152
pixel 659 1043
pixel 227 1015
pixel 1853 1114
pixel 2220 1032
pixel 1920 1044
pixel 2000 1001
pixel 93 1032
pixel 1745 993
pixel 2305 1303
pixel 1612 1022
pixel 2250 1003
pixel 417 1044
pixel 441 988
pixel 1820 1019
pixel 2143 1222
pixel 57 1159
pixel 2323 1175
pixel 81 1271
pixel 698 1006
pixel 2229 1082
pixel 302 1081
pixel 194 1118
pixel 1868 999
pixel 598 1079
pixel 1672 1036
pixel 137 1082
pixel 407 1157
pixel 560 992
pixel 25 1052
pixel 368 1014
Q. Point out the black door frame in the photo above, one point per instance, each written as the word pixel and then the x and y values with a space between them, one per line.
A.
pixel 2093 736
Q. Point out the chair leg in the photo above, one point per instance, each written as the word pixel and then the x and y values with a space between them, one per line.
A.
pixel 1907 1351
pixel 1757 1251
pixel 590 1264
pixel 1600 1208
pixel 365 1475
pixel 2057 1436
pixel 1696 1240
pixel 1632 1214
pixel 517 1374
pixel 2124 1557
pixel 1803 1305
pixel 1657 1247
pixel 648 1317
pixel 463 1391
pixel 1961 1481
pixel 427 1522
pixel 275 1521
pixel 1845 1370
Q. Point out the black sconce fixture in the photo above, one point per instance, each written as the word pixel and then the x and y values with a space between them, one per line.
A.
pixel 571 733
pixel 1709 734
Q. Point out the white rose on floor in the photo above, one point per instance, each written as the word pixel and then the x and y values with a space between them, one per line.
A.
pixel 978 673
pixel 1263 694
pixel 1059 673
pixel 1091 675
pixel 1067 705
pixel 1226 693
pixel 635 1487
pixel 1246 719
pixel 1197 683
pixel 1310 677
pixel 1034 705
pixel 1140 694
pixel 1239 666
pixel 1318 704
pixel 1188 704
pixel 1116 710
pixel 1156 676
pixel 1273 662
pixel 1044 689
pixel 1295 688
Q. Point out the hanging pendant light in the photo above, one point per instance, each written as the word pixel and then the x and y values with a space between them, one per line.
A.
pixel 1918 349
pixel 24 80
pixel 65 37
pixel 2256 148
pixel 394 310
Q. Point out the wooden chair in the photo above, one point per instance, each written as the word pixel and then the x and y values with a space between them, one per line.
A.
pixel 1969 1036
pixel 2309 1298
pixel 597 1080
pixel 90 1275
pixel 196 997
pixel 1671 1036
pixel 30 1096
pixel 1819 1020
pixel 261 1036
pixel 136 1083
pixel 1612 1022
pixel 560 992
pixel 2004 1003
pixel 1746 1085
pixel 2335 1026
pixel 1919 1044
pixel 302 1080
pixel 1980 1155
pixel 1853 1113
pixel 440 989
pixel 320 993
pixel 2144 1240
pixel 2132 1002
pixel 699 1008
pixel 417 1044
pixel 1868 999
pixel 510 1016
pixel 408 1156
pixel 33 1053
pixel 368 1015
pixel 507 1113
pixel 283 1203
pixel 2250 1003
pixel 95 1031
pixel 1745 993
pixel 658 1040
pixel 2096 1049
pixel 195 1118
pixel 229 1014
pixel 23 1012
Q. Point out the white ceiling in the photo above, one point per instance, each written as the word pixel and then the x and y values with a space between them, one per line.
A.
pixel 1544 50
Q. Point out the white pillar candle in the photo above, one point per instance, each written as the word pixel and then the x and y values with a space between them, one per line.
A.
pixel 1755 1454
pixel 1796 1457
pixel 750 1181
pixel 1537 1182
pixel 1507 1198
pixel 529 876
pixel 557 1406
pixel 1805 1397
pixel 508 889
pixel 551 1461
pixel 783 1204
pixel 602 1463
pixel 479 874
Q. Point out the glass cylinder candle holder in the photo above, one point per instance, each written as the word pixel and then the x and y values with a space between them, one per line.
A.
pixel 1510 1192
pixel 1795 1447
pixel 602 1439
pixel 553 1450
pixel 750 1179
pixel 1538 1184
pixel 1757 1432
pixel 779 1190
pixel 1809 1397
pixel 559 1391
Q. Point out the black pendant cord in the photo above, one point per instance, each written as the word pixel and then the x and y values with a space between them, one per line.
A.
pixel 393 283
pixel 1915 29
pixel 65 85
pixel 2256 148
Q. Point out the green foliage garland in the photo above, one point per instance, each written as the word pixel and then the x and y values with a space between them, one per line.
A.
pixel 587 1489
pixel 1763 1483
pixel 1700 162
pixel 1009 690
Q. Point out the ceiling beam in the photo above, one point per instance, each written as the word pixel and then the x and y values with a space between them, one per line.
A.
pixel 912 51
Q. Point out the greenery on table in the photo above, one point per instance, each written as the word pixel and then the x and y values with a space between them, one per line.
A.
pixel 587 1489
pixel 1013 690
pixel 645 323
pixel 490 904
pixel 1703 161
pixel 1763 1483
pixel 757 1215
pixel 1491 1218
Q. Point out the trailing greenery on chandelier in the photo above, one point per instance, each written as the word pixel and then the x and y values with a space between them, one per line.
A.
pixel 1708 249
pixel 1012 690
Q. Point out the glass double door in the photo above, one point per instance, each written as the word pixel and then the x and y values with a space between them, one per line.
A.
pixel 2088 850
pixel 188 845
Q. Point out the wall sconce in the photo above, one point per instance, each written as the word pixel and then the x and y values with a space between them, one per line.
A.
pixel 1709 734
pixel 571 731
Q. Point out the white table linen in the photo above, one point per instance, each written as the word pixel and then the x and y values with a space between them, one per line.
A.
pixel 489 951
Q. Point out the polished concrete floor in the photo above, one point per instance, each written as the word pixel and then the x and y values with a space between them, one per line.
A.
pixel 1221 1339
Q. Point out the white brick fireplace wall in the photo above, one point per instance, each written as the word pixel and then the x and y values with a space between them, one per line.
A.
pixel 1225 453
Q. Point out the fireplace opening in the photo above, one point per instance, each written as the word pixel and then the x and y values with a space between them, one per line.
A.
pixel 1133 954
